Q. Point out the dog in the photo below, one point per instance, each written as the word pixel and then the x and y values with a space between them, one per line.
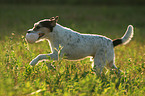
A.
pixel 77 46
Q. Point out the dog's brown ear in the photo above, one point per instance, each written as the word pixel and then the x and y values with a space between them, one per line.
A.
pixel 54 20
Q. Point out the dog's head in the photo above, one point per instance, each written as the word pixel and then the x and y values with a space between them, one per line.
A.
pixel 44 27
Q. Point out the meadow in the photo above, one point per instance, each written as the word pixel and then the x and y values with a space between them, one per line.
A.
pixel 70 78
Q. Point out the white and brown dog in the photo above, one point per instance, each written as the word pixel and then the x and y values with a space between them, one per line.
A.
pixel 77 46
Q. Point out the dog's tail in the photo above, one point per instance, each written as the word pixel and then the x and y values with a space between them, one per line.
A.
pixel 126 38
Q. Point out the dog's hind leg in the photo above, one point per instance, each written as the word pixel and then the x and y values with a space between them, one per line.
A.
pixel 111 65
pixel 99 61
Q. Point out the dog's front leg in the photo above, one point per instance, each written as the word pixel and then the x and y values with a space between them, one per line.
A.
pixel 41 57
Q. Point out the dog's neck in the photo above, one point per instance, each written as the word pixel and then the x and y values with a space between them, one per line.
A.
pixel 57 33
pixel 60 28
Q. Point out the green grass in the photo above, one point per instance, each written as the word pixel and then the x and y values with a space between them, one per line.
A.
pixel 71 78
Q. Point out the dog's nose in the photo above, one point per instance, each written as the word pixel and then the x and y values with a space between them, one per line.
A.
pixel 28 31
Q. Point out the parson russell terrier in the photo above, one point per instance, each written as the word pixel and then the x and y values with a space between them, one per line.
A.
pixel 77 46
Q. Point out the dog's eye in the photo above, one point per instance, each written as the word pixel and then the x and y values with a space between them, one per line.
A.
pixel 37 27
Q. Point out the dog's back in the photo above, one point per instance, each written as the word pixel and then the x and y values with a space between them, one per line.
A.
pixel 77 46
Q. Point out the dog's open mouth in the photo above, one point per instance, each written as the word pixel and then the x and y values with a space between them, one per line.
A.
pixel 41 35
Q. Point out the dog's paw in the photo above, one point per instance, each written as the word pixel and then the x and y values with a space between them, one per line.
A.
pixel 33 62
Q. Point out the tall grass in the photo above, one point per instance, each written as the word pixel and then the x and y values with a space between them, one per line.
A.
pixel 69 78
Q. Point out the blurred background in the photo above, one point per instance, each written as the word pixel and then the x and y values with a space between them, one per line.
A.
pixel 77 2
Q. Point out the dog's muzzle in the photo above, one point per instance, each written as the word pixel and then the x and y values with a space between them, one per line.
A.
pixel 40 34
pixel 30 30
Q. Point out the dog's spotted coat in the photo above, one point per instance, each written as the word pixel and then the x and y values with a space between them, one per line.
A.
pixel 77 46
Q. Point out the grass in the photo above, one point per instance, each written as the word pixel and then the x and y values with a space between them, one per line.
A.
pixel 70 78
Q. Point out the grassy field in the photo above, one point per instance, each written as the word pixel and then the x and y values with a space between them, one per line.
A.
pixel 70 78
